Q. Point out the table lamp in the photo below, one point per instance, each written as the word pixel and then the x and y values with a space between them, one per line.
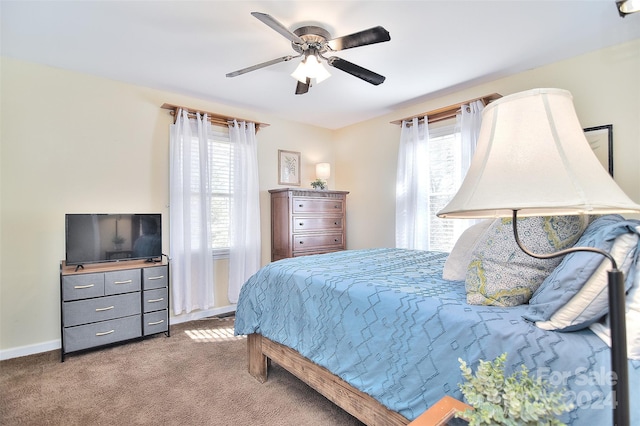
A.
pixel 533 159
pixel 323 172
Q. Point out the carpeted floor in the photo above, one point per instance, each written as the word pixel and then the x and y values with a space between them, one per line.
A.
pixel 197 376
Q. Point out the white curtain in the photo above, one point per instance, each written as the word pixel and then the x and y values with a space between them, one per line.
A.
pixel 244 258
pixel 468 122
pixel 190 204
pixel 412 186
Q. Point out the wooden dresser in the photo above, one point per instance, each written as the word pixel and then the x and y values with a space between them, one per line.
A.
pixel 307 221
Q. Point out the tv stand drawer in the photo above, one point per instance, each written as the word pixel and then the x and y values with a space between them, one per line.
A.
pixel 155 322
pixel 82 286
pixel 155 277
pixel 100 309
pixel 102 333
pixel 126 281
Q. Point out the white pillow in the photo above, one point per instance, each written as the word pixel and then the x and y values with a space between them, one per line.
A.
pixel 589 304
pixel 455 268
pixel 632 308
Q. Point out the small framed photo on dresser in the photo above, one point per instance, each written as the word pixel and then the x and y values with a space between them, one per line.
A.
pixel 288 168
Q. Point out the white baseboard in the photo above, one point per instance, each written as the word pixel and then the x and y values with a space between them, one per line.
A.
pixel 192 316
pixel 36 348
pixel 52 345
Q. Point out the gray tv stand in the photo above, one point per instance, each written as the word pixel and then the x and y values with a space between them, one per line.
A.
pixel 106 303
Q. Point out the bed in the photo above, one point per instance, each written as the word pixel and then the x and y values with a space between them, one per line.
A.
pixel 379 332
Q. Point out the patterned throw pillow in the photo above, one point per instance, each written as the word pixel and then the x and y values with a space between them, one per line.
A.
pixel 501 274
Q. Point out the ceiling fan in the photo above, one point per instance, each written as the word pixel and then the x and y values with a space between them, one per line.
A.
pixel 313 43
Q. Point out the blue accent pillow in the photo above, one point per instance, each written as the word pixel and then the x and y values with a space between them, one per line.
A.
pixel 560 293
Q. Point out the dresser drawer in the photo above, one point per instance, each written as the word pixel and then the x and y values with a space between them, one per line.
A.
pixel 81 286
pixel 117 282
pixel 155 322
pixel 312 242
pixel 155 277
pixel 101 333
pixel 310 224
pixel 100 309
pixel 317 205
pixel 154 300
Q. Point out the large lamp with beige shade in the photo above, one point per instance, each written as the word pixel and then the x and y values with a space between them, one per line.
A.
pixel 532 159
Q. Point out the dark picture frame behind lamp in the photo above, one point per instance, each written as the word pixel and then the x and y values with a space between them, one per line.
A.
pixel 601 140
pixel 288 168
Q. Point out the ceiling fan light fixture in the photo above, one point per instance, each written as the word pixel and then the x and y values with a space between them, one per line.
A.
pixel 626 7
pixel 310 67
pixel 312 42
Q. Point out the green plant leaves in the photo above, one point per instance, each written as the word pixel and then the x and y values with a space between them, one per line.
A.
pixel 511 401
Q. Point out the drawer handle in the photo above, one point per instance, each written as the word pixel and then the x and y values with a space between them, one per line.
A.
pixel 301 242
pixel 155 322
pixel 300 205
pixel 301 224
pixel 104 333
pixel 108 308
pixel 155 300
pixel 337 206
pixel 123 282
pixel 79 287
pixel 159 277
pixel 335 223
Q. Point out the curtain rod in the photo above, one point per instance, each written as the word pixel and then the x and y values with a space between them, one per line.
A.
pixel 222 120
pixel 448 111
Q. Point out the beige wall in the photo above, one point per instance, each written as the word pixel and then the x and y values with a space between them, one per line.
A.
pixel 315 146
pixel 606 90
pixel 74 143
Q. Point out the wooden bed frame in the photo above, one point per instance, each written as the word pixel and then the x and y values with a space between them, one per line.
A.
pixel 360 405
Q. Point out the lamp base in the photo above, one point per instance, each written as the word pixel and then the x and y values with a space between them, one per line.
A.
pixel 619 364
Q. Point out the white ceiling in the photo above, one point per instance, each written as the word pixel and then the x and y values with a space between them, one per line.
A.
pixel 188 46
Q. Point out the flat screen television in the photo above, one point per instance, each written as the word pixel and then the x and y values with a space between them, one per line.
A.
pixel 94 238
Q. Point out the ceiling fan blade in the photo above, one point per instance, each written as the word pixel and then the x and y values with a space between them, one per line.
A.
pixel 356 70
pixel 262 65
pixel 302 88
pixel 277 26
pixel 362 38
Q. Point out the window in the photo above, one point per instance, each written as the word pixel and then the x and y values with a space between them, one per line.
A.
pixel 221 161
pixel 445 155
pixel 220 187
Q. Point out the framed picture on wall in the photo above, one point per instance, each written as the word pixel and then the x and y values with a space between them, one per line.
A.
pixel 288 168
pixel 601 140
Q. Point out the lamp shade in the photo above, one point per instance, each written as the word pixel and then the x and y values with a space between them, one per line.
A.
pixel 300 72
pixel 532 156
pixel 323 170
pixel 627 7
pixel 310 67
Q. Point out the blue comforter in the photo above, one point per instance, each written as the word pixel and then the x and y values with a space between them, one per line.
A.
pixel 387 323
